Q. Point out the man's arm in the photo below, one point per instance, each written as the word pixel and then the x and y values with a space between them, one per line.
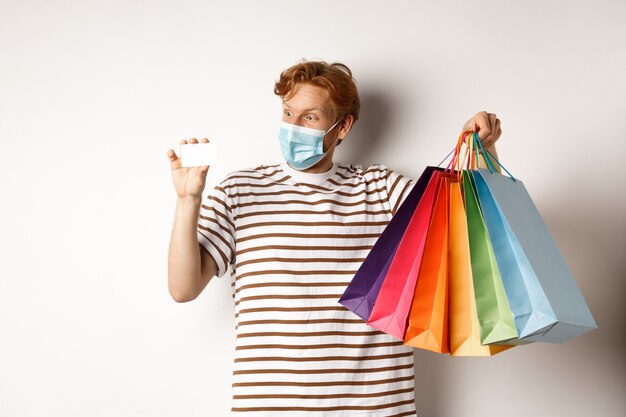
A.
pixel 190 268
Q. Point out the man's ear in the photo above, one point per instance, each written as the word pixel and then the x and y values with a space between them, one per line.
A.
pixel 344 127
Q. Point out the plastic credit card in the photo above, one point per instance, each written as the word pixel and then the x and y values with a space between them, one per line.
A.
pixel 197 154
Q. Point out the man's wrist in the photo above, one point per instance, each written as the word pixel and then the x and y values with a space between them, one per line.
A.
pixel 189 201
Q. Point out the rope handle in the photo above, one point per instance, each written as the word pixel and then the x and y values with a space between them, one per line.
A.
pixel 470 156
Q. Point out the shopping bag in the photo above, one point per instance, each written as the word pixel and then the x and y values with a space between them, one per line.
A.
pixel 463 318
pixel 391 309
pixel 558 310
pixel 360 294
pixel 494 314
pixel 529 305
pixel 428 317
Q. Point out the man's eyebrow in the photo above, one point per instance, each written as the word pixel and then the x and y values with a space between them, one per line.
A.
pixel 306 110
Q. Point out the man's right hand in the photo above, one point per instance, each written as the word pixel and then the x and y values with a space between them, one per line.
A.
pixel 189 182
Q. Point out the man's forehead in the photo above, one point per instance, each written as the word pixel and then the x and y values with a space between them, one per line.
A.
pixel 306 97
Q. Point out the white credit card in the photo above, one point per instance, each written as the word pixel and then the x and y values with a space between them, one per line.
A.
pixel 197 154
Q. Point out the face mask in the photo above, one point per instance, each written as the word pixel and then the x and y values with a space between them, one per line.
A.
pixel 302 147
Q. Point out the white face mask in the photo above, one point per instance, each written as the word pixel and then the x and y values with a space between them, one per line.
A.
pixel 303 147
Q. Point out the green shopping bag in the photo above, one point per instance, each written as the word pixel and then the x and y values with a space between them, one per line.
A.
pixel 494 314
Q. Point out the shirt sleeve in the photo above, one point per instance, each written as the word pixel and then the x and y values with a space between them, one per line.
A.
pixel 398 188
pixel 216 229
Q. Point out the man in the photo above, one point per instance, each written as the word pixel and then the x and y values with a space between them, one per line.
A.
pixel 294 234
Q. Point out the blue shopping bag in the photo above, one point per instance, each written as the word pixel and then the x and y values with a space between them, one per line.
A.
pixel 528 302
pixel 542 293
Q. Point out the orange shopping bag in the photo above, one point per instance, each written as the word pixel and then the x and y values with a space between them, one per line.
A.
pixel 428 317
pixel 464 326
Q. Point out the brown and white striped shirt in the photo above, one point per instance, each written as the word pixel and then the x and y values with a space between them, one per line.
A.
pixel 294 241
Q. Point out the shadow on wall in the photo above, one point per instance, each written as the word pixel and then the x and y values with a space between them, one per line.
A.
pixel 430 389
pixel 592 246
pixel 367 135
pixel 366 141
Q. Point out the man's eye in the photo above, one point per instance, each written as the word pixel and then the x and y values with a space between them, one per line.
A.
pixel 310 118
pixel 288 113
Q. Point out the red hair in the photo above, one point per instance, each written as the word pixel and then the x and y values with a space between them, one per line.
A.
pixel 336 78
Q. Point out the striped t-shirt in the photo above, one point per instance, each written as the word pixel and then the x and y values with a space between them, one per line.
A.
pixel 294 241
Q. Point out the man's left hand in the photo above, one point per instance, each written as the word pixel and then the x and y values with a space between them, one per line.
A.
pixel 488 127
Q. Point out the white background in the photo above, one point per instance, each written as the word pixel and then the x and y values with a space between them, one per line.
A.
pixel 92 94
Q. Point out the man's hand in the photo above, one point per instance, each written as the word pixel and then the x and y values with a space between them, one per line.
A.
pixel 188 181
pixel 488 127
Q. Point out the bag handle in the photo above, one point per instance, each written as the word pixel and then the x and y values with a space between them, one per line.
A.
pixel 470 155
pixel 488 156
pixel 478 142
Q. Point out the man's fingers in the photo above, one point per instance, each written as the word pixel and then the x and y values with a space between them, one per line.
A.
pixel 171 155
pixel 493 121
pixel 482 125
pixel 497 129
pixel 194 140
pixel 487 125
